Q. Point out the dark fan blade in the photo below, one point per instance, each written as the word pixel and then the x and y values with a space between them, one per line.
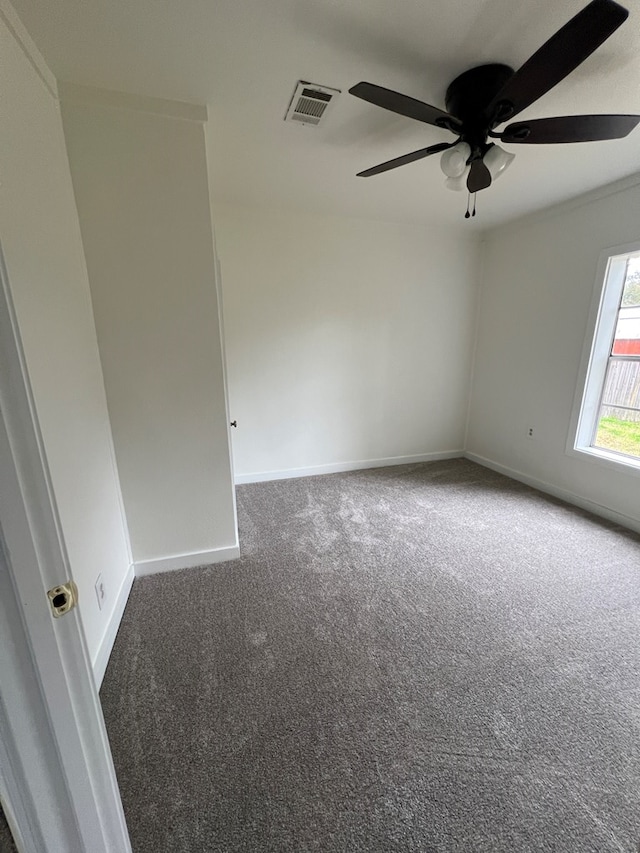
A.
pixel 479 177
pixel 407 158
pixel 564 51
pixel 405 106
pixel 570 129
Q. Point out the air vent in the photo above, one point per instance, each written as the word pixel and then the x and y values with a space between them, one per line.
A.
pixel 310 103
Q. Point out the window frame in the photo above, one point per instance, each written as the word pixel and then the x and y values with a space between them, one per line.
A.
pixel 603 315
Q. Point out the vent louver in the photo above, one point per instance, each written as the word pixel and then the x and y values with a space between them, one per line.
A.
pixel 310 103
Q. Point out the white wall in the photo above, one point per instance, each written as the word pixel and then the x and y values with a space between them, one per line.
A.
pixel 48 280
pixel 141 185
pixel 539 276
pixel 347 340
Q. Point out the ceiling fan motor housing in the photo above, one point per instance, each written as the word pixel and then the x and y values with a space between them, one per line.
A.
pixel 470 94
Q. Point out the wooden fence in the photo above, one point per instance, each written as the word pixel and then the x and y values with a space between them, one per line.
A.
pixel 621 398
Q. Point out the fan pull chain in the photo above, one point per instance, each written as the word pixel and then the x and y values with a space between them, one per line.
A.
pixel 467 214
pixel 474 204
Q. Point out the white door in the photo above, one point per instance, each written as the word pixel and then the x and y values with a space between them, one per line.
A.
pixel 56 774
pixel 223 349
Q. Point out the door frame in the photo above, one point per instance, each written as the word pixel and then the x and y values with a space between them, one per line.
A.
pixel 58 783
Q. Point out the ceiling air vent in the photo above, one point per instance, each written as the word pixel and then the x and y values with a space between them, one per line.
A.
pixel 310 103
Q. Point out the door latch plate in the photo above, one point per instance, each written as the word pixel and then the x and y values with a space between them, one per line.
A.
pixel 63 598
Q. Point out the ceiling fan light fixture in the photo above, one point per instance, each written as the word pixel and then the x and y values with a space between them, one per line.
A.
pixel 459 183
pixel 454 161
pixel 497 161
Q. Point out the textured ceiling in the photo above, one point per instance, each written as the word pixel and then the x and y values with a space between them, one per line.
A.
pixel 244 58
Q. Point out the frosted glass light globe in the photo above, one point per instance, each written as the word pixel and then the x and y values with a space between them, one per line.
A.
pixel 497 161
pixel 454 161
pixel 460 183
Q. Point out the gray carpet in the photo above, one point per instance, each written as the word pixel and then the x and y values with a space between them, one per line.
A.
pixel 428 658
pixel 7 844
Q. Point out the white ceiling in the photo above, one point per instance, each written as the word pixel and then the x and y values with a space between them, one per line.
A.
pixel 243 58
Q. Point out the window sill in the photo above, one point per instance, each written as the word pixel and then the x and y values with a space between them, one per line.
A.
pixel 609 459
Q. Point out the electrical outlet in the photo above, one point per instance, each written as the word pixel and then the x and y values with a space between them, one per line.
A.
pixel 529 433
pixel 101 592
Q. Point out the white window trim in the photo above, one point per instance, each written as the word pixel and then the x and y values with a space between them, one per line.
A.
pixel 601 324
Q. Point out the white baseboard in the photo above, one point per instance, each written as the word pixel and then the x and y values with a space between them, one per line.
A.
pixel 557 492
pixel 186 561
pixel 104 649
pixel 339 467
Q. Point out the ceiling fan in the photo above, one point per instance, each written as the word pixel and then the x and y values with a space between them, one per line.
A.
pixel 484 97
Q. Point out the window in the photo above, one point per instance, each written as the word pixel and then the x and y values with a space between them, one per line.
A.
pixel 609 419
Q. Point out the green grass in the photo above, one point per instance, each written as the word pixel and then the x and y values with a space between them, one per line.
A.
pixel 621 436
